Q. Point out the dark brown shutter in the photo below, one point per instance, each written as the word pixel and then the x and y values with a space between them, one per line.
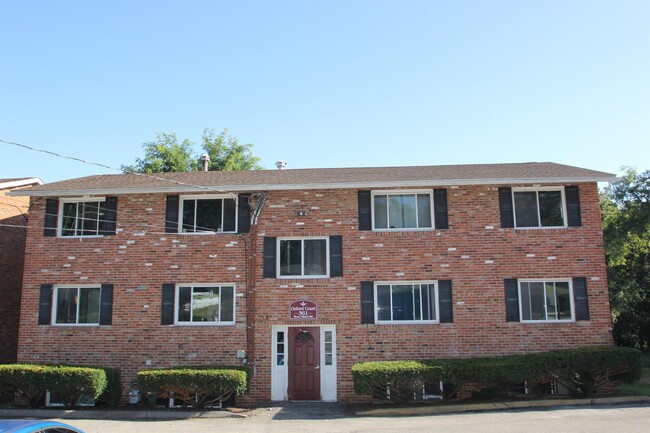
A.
pixel 505 207
pixel 336 256
pixel 440 208
pixel 45 304
pixel 108 225
pixel 511 288
pixel 171 214
pixel 243 214
pixel 365 216
pixel 51 216
pixel 168 298
pixel 270 245
pixel 446 306
pixel 106 306
pixel 572 195
pixel 581 298
pixel 367 302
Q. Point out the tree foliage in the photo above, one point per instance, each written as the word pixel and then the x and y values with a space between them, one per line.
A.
pixel 167 154
pixel 626 228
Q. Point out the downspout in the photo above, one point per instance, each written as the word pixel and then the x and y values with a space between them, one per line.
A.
pixel 251 280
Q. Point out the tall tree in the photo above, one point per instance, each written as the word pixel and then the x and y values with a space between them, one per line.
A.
pixel 166 154
pixel 626 228
pixel 226 154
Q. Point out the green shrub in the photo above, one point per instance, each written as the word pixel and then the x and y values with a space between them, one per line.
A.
pixel 29 383
pixel 196 387
pixel 581 371
pixel 25 382
pixel 71 383
pixel 113 392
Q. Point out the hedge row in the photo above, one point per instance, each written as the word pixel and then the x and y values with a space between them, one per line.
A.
pixel 581 371
pixel 27 384
pixel 196 386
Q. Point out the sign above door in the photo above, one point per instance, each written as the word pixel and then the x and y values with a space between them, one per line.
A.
pixel 303 309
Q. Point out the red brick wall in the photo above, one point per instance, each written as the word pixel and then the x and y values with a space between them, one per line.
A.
pixel 13 212
pixel 475 253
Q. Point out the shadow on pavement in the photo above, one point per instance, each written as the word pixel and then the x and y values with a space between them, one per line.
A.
pixel 297 410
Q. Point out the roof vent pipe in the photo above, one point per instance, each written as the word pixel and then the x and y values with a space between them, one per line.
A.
pixel 281 165
pixel 205 161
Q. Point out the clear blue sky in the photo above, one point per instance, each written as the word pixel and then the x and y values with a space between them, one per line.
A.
pixel 327 83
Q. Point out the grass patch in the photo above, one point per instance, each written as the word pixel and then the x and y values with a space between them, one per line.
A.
pixel 642 386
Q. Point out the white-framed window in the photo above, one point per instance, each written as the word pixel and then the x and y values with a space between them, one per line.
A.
pixel 539 207
pixel 77 305
pixel 546 300
pixel 406 302
pixel 402 210
pixel 81 216
pixel 303 257
pixel 208 214
pixel 205 304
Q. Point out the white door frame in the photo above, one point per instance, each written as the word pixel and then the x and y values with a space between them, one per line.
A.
pixel 280 362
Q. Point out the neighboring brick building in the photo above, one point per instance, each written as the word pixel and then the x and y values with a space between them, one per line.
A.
pixel 303 273
pixel 13 232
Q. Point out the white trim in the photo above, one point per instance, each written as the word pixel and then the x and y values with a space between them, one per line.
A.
pixel 539 189
pixel 222 197
pixel 302 257
pixel 55 302
pixel 206 285
pixel 544 281
pixel 59 216
pixel 280 373
pixel 260 187
pixel 415 192
pixel 21 182
pixel 405 322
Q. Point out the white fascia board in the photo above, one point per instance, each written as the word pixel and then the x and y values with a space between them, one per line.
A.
pixel 308 186
pixel 21 182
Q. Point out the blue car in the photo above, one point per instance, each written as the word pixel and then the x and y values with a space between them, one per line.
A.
pixel 35 426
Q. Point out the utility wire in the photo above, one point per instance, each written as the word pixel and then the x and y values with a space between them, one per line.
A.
pixel 72 158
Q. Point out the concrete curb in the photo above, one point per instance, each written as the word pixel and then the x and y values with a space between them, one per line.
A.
pixel 117 415
pixel 483 407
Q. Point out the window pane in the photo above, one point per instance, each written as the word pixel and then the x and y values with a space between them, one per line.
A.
pixel 89 212
pixel 188 215
pixel 227 304
pixel 315 257
pixel 526 311
pixel 205 304
pixel 66 305
pixel 328 336
pixel 383 303
pixel 381 212
pixel 432 301
pixel 551 308
pixel 208 215
pixel 280 337
pixel 537 301
pixel 184 304
pixel 402 297
pixel 550 208
pixel 526 209
pixel 424 211
pixel 290 257
pixel 563 300
pixel 280 360
pixel 69 219
pixel 417 303
pixel 229 215
pixel 89 305
pixel 328 359
pixel 401 211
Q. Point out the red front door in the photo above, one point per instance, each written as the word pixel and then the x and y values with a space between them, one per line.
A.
pixel 304 363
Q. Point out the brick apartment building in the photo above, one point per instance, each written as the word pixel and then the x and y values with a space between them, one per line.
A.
pixel 13 232
pixel 303 273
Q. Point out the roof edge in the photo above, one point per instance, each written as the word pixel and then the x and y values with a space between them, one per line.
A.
pixel 309 186
pixel 21 182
